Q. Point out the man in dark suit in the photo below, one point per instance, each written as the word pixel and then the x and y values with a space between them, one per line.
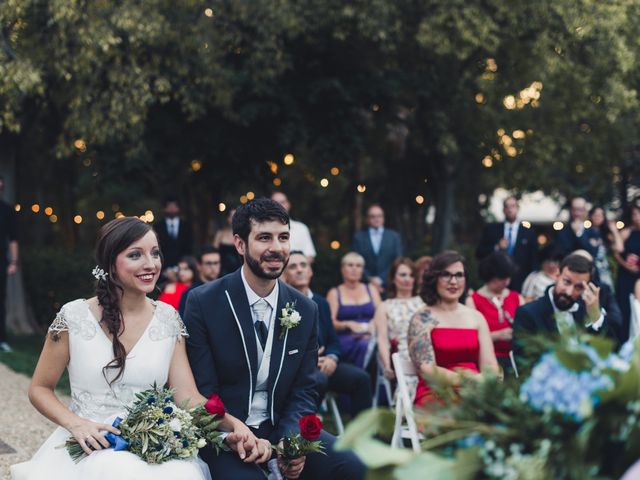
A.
pixel 575 235
pixel 378 245
pixel 331 374
pixel 174 234
pixel 517 239
pixel 570 306
pixel 259 359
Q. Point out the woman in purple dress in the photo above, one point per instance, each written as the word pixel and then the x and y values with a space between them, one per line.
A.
pixel 353 305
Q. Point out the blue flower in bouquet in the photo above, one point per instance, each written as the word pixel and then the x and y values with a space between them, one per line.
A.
pixel 553 387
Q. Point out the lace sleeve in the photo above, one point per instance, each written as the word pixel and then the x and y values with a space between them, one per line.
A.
pixel 59 324
pixel 180 327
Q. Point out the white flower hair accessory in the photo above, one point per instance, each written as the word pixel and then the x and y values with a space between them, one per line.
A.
pixel 99 273
pixel 290 318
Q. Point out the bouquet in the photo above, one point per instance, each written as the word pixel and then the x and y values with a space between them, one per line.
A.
pixel 157 430
pixel 576 415
pixel 303 443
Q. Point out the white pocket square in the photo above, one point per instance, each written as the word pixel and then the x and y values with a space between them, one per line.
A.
pixel 292 352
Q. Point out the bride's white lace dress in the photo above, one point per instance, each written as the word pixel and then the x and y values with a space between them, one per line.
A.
pixel 90 349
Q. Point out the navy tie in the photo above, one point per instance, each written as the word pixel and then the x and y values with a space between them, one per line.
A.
pixel 259 310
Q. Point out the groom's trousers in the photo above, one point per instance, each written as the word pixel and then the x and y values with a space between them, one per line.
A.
pixel 334 465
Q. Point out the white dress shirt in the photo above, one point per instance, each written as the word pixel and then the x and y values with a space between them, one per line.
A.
pixel 300 238
pixel 173 226
pixel 375 234
pixel 514 233
pixel 567 316
pixel 259 411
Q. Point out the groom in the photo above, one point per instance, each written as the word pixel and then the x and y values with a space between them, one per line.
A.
pixel 239 348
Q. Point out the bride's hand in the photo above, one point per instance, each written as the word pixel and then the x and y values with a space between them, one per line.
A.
pixel 90 435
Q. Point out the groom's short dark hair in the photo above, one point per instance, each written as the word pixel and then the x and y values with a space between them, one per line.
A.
pixel 258 210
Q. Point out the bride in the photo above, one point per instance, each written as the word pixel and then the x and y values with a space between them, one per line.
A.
pixel 115 345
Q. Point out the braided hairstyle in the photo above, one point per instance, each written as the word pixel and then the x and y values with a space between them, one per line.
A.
pixel 113 238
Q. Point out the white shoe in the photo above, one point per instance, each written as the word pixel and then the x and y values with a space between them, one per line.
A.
pixel 5 348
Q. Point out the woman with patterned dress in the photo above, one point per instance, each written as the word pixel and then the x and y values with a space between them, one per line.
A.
pixel 629 266
pixel 114 346
pixel 353 305
pixel 393 316
pixel 448 340
pixel 497 303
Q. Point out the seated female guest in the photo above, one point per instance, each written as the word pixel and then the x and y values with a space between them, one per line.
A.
pixel 448 340
pixel 394 314
pixel 187 273
pixel 497 303
pixel 353 305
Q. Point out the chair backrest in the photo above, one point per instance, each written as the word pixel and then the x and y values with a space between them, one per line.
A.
pixel 634 318
pixel 404 369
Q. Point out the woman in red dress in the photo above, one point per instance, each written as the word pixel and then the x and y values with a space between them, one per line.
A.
pixel 448 340
pixel 187 273
pixel 497 303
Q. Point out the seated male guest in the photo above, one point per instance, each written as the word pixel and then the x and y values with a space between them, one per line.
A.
pixel 331 375
pixel 570 306
pixel 209 264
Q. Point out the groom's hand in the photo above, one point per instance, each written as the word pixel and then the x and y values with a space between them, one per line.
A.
pixel 291 469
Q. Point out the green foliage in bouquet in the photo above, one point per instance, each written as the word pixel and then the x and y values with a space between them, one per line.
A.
pixel 158 430
pixel 574 416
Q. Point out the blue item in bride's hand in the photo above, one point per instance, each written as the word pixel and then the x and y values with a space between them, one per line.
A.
pixel 117 442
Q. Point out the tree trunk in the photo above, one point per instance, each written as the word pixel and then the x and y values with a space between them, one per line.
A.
pixel 19 317
pixel 445 187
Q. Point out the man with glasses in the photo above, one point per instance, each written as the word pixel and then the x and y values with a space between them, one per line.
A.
pixel 208 269
pixel 379 246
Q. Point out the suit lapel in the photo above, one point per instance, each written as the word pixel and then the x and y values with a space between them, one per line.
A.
pixel 368 243
pixel 278 346
pixel 548 316
pixel 384 241
pixel 242 310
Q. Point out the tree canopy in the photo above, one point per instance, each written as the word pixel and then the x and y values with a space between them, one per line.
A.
pixel 109 106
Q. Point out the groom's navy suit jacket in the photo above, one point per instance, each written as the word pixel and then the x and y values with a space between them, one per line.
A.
pixel 224 357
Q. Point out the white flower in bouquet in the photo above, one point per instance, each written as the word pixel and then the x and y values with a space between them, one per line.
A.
pixel 175 425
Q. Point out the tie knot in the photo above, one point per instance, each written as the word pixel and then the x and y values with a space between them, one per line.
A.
pixel 260 308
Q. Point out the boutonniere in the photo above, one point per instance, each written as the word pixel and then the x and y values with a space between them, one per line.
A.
pixel 290 318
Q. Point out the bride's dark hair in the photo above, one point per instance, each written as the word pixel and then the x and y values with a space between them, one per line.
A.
pixel 113 238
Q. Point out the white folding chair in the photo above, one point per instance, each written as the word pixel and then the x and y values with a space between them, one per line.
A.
pixel 405 371
pixel 513 363
pixel 382 381
pixel 634 318
pixel 329 404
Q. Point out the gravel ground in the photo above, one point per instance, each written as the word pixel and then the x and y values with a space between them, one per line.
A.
pixel 22 428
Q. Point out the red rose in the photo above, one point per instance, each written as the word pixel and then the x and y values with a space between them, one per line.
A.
pixel 310 427
pixel 215 406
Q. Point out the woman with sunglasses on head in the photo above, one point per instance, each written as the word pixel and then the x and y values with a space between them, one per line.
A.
pixel 115 345
pixel 448 340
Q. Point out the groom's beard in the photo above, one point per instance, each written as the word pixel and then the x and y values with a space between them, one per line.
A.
pixel 258 271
